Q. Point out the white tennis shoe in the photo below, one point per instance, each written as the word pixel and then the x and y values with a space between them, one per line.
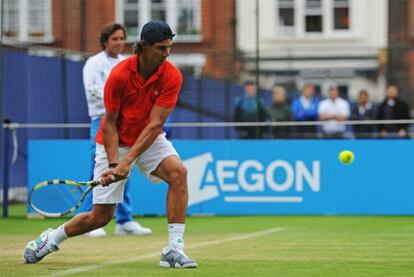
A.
pixel 176 259
pixel 37 249
pixel 131 228
pixel 97 233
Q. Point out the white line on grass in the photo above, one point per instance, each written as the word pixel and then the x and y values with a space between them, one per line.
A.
pixel 156 254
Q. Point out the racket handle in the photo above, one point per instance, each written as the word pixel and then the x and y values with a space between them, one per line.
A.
pixel 100 180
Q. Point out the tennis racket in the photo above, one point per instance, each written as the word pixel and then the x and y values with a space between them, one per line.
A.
pixel 56 198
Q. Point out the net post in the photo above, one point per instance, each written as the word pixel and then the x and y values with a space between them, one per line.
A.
pixel 5 167
pixel 257 69
pixel 2 133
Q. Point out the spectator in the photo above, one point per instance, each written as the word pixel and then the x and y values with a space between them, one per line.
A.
pixel 305 108
pixel 390 109
pixel 332 110
pixel 280 111
pixel 246 111
pixel 363 110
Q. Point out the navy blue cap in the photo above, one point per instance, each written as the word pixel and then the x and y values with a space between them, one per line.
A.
pixel 156 31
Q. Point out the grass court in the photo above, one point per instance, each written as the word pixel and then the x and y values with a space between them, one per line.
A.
pixel 226 246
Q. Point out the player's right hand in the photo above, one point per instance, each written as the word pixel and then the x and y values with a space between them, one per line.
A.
pixel 109 177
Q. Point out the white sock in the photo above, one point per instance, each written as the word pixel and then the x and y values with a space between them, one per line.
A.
pixel 58 235
pixel 175 236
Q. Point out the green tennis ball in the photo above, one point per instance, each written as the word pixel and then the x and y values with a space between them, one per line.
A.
pixel 346 157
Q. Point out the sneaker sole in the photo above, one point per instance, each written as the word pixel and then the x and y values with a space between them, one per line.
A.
pixel 166 264
pixel 131 234
pixel 89 236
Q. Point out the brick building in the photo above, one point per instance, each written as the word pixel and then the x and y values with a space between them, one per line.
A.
pixel 205 41
pixel 400 68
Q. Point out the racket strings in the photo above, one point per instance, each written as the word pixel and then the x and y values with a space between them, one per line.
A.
pixel 56 198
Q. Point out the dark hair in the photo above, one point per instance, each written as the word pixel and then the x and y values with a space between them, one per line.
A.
pixel 248 83
pixel 108 30
pixel 156 31
pixel 138 46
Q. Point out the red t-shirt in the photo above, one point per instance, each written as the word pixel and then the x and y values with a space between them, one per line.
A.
pixel 126 93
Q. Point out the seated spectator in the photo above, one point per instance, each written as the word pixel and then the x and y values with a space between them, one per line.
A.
pixel 246 111
pixel 305 108
pixel 279 111
pixel 390 109
pixel 333 110
pixel 363 110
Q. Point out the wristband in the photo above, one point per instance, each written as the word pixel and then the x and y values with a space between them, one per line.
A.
pixel 112 165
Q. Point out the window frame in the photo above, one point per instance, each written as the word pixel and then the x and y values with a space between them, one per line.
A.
pixel 333 16
pixel 23 23
pixel 314 11
pixel 300 13
pixel 284 30
pixel 171 7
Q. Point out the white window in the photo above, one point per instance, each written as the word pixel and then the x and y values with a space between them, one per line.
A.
pixel 286 17
pixel 11 18
pixel 131 16
pixel 158 10
pixel 341 15
pixel 26 20
pixel 188 17
pixel 313 16
pixel 184 16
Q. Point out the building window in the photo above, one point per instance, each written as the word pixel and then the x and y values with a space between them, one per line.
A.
pixel 343 91
pixel 131 16
pixel 158 10
pixel 286 18
pixel 26 20
pixel 188 14
pixel 184 16
pixel 341 14
pixel 37 22
pixel 313 16
pixel 11 18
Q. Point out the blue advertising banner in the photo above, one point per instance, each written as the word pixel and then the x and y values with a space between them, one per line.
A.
pixel 260 176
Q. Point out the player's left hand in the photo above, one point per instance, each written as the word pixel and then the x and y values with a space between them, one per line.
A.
pixel 115 174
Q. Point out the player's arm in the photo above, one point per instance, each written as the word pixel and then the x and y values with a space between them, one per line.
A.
pixel 114 87
pixel 110 136
pixel 157 119
pixel 111 143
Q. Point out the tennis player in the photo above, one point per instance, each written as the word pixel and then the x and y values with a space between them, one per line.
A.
pixel 140 93
pixel 95 73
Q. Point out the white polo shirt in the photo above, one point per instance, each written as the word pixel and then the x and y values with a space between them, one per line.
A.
pixel 338 107
pixel 95 73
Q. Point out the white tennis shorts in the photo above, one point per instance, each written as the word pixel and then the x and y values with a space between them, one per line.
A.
pixel 147 162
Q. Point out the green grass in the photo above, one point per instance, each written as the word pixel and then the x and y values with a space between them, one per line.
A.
pixel 308 246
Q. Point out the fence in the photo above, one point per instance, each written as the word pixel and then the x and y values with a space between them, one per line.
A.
pixel 231 163
pixel 219 45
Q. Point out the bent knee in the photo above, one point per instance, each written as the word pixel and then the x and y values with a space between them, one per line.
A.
pixel 178 175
